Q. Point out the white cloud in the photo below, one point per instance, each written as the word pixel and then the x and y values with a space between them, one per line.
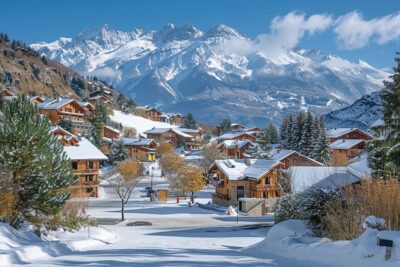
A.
pixel 353 31
pixel 285 34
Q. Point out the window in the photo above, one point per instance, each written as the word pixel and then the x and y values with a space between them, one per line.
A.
pixel 75 165
pixel 89 165
pixel 89 178
pixel 89 190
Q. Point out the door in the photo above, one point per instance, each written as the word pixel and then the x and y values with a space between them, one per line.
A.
pixel 239 192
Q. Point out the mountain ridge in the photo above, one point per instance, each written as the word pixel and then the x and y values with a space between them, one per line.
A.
pixel 177 68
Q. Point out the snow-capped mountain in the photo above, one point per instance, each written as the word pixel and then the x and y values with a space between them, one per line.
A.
pixel 361 114
pixel 212 74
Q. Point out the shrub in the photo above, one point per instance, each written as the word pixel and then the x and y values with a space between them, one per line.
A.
pixel 285 208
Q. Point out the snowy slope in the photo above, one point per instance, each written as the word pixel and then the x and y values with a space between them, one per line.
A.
pixel 139 123
pixel 184 69
pixel 362 113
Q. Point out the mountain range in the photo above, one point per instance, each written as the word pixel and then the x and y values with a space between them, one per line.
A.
pixel 209 73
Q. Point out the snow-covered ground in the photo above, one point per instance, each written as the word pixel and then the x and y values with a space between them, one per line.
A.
pixel 139 123
pixel 179 235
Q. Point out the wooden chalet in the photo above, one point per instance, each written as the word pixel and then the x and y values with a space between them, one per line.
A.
pixel 172 118
pixel 290 158
pixel 234 149
pixel 103 99
pixel 236 136
pixel 168 135
pixel 65 110
pixel 89 108
pixel 196 140
pixel 149 113
pixel 142 149
pixel 347 133
pixel 7 94
pixel 85 160
pixel 35 100
pixel 234 179
pixel 111 133
pixel 238 127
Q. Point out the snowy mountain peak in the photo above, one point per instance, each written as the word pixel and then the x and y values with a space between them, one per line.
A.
pixel 170 32
pixel 222 30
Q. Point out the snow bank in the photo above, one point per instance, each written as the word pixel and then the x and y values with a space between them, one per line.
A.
pixel 293 239
pixel 24 246
pixel 139 123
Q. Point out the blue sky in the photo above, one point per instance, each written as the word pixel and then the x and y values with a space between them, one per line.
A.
pixel 34 21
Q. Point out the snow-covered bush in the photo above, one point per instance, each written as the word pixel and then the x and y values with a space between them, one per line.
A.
pixel 285 208
pixel 373 222
pixel 311 206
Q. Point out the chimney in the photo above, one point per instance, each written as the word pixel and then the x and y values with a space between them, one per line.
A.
pixel 247 161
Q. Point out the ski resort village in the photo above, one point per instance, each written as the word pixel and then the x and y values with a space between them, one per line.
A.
pixel 184 147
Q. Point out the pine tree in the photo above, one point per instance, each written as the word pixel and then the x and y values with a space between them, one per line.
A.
pixel 384 156
pixel 97 119
pixel 225 126
pixel 34 159
pixel 284 135
pixel 264 140
pixel 322 150
pixel 273 133
pixel 118 152
pixel 306 137
pixel 189 121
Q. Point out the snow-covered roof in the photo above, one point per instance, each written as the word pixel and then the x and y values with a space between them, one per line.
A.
pixel 84 150
pixel 281 154
pixel 30 98
pixel 84 104
pixel 46 102
pixel 238 125
pixel 234 143
pixel 136 141
pixel 259 168
pixel 337 132
pixel 147 108
pixel 305 177
pixel 58 103
pixel 345 143
pixel 112 129
pixel 359 166
pixel 57 127
pixel 189 131
pixel 163 130
pixel 233 169
pixel 232 135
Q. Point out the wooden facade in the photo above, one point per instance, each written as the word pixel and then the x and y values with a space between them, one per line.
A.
pixel 87 172
pixel 168 136
pixel 103 99
pixel 150 113
pixel 142 152
pixel 297 159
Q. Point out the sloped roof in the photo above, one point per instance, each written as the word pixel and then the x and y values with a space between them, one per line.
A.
pixel 232 135
pixel 188 131
pixel 259 168
pixel 136 141
pixel 46 102
pixel 163 130
pixel 359 166
pixel 112 129
pixel 233 169
pixel 234 143
pixel 346 143
pixel 305 177
pixel 337 132
pixel 59 103
pixel 281 154
pixel 85 150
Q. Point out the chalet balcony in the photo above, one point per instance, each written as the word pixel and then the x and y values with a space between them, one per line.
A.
pixel 86 171
pixel 267 187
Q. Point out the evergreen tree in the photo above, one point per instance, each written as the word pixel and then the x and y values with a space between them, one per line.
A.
pixel 284 132
pixel 322 150
pixel 118 152
pixel 273 133
pixel 97 119
pixel 384 156
pixel 34 159
pixel 306 136
pixel 189 121
pixel 264 140
pixel 225 126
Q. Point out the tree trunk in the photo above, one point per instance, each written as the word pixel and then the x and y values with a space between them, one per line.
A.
pixel 122 211
pixel 192 197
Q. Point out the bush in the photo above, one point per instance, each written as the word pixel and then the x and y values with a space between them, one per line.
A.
pixel 285 209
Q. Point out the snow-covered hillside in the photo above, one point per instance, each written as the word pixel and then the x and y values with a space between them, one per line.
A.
pixel 139 123
pixel 184 69
pixel 362 113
